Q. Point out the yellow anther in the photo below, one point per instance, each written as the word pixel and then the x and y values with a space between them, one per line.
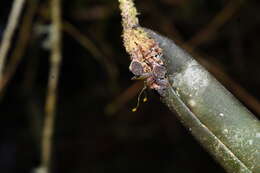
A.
pixel 138 99
pixel 134 109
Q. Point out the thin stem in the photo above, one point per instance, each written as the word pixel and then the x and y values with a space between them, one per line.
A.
pixel 50 108
pixel 124 97
pixel 129 13
pixel 9 32
pixel 21 45
pixel 92 48
pixel 218 21
pixel 134 36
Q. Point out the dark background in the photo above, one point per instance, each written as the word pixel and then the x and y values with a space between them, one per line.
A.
pixel 95 130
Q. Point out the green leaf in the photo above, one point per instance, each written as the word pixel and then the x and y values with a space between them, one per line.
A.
pixel 223 126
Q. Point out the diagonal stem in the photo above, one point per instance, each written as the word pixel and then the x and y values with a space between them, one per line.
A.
pixel 9 32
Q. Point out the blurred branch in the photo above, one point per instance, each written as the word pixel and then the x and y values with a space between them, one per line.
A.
pixel 220 19
pixel 124 97
pixel 9 32
pixel 109 67
pixel 21 44
pixel 97 12
pixel 55 61
pixel 84 41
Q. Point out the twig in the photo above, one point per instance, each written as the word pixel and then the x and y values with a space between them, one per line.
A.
pixel 50 108
pixel 221 18
pixel 9 32
pixel 82 39
pixel 108 66
pixel 23 39
pixel 123 98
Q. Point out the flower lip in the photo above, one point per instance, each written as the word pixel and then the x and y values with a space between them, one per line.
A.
pixel 136 68
pixel 159 71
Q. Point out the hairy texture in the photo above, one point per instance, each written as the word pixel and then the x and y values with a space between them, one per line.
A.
pixel 145 53
pixel 146 58
pixel 129 13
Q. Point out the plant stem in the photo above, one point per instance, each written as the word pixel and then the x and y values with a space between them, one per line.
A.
pixel 24 35
pixel 135 38
pixel 9 32
pixel 128 13
pixel 55 61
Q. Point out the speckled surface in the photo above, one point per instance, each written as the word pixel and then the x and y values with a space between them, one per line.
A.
pixel 220 123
